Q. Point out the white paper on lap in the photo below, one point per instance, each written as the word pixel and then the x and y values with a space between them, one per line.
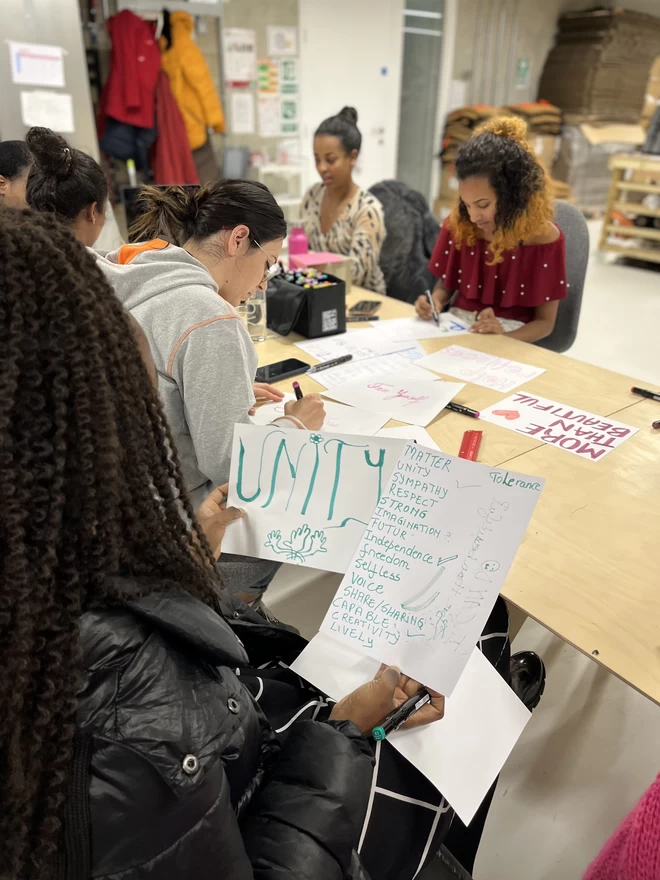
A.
pixel 462 754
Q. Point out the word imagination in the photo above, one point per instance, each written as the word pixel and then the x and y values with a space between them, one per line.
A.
pixel 431 563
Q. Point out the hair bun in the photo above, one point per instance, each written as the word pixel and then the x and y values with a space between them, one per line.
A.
pixel 51 152
pixel 512 127
pixel 349 113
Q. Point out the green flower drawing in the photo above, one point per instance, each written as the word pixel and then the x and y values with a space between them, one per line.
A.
pixel 302 544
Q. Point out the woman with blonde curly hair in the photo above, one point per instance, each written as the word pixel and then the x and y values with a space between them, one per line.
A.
pixel 499 250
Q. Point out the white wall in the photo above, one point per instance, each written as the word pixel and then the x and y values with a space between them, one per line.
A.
pixel 350 53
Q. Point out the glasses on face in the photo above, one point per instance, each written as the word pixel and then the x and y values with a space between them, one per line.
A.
pixel 272 269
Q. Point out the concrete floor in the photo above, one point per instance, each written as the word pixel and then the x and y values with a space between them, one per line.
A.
pixel 591 748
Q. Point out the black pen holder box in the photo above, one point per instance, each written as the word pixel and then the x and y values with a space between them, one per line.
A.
pixel 310 311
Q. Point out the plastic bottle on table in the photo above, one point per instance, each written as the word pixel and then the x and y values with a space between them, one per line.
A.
pixel 298 243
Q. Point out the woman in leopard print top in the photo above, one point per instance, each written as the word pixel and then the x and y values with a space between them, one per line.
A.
pixel 338 216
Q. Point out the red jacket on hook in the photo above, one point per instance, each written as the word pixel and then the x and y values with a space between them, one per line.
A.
pixel 170 157
pixel 129 93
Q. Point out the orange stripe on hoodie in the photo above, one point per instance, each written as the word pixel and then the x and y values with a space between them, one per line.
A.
pixel 128 252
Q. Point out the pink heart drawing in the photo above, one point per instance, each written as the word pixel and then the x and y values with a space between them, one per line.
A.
pixel 507 414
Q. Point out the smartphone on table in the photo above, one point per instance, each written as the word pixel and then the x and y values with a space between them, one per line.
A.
pixel 281 370
pixel 365 308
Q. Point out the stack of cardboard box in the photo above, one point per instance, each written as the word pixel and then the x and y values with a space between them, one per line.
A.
pixel 652 95
pixel 543 127
pixel 599 67
pixel 598 73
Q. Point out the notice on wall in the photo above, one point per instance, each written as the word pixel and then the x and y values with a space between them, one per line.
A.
pixel 269 77
pixel 242 112
pixel 35 64
pixel 239 56
pixel 48 109
pixel 269 116
pixel 282 40
pixel 566 427
pixel 288 115
pixel 431 562
pixel 289 76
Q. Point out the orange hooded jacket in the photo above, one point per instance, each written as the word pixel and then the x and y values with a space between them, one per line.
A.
pixel 191 83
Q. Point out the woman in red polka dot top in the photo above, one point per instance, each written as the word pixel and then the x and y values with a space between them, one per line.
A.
pixel 499 250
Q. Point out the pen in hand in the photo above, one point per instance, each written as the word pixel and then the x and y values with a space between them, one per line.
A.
pixel 297 390
pixel 436 316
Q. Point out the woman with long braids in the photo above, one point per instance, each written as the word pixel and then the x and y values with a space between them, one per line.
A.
pixel 500 260
pixel 130 746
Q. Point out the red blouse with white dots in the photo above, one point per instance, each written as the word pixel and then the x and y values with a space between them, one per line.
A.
pixel 529 276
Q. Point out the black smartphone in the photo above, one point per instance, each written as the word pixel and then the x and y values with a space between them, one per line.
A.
pixel 281 370
pixel 365 307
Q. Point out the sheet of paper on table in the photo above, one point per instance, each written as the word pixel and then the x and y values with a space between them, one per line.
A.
pixel 483 369
pixel 566 427
pixel 308 494
pixel 401 396
pixel 334 377
pixel 462 754
pixel 410 432
pixel 431 563
pixel 362 343
pixel 339 419
pixel 401 329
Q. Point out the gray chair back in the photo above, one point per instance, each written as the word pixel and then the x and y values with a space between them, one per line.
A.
pixel 572 223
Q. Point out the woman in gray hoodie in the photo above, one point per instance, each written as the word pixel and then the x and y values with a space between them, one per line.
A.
pixel 203 253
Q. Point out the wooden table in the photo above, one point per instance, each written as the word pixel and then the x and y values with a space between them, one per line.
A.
pixel 589 567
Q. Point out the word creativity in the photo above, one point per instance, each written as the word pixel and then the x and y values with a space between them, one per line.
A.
pixel 431 562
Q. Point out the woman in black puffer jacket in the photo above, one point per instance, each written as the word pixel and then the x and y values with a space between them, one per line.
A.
pixel 131 745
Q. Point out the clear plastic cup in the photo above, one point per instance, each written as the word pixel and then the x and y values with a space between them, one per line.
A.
pixel 254 315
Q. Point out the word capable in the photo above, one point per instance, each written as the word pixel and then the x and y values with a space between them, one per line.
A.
pixel 582 433
pixel 431 563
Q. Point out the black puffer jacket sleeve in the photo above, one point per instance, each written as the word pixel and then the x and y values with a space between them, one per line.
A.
pixel 306 819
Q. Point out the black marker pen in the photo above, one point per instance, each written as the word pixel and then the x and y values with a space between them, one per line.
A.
pixel 399 716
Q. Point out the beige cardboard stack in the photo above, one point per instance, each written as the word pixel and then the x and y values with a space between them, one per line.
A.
pixel 652 95
pixel 543 125
pixel 599 67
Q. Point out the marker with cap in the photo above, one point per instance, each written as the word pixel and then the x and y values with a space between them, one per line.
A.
pixel 436 316
pixel 344 359
pixel 297 390
pixel 463 410
pixel 399 716
pixel 651 395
